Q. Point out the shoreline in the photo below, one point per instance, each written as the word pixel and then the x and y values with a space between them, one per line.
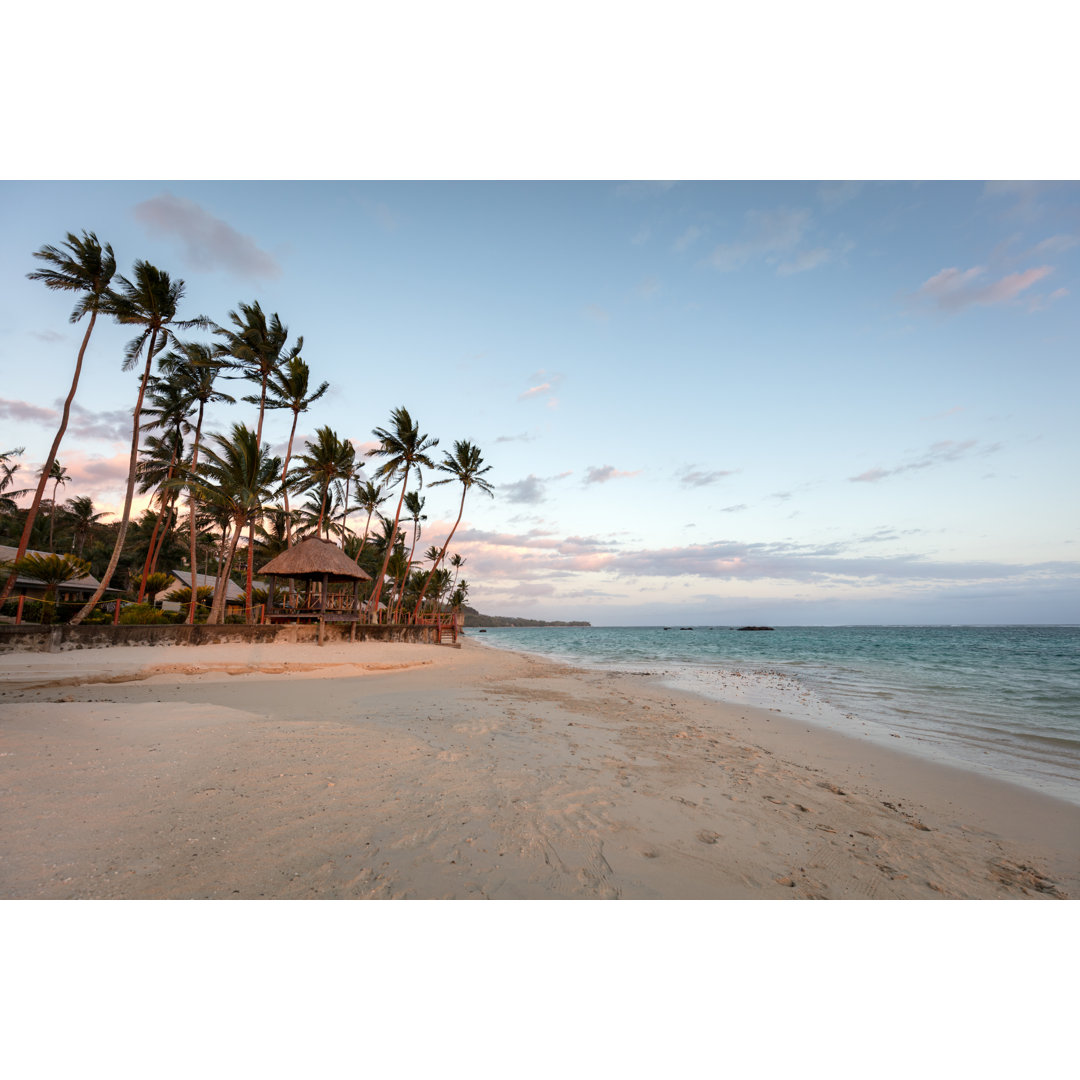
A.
pixel 393 770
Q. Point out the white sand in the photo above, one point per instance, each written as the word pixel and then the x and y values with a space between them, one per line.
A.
pixel 394 770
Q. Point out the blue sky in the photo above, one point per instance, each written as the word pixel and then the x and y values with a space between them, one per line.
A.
pixel 792 402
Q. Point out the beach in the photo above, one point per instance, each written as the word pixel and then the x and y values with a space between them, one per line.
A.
pixel 375 770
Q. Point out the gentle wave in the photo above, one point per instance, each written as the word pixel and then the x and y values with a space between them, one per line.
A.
pixel 1004 699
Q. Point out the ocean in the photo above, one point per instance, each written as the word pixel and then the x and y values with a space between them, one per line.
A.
pixel 999 699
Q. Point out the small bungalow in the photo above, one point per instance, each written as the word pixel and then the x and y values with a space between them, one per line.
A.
pixel 181 579
pixel 78 590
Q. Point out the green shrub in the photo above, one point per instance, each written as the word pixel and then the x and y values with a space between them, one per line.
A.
pixel 143 615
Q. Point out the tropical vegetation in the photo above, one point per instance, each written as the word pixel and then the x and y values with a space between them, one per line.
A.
pixel 220 499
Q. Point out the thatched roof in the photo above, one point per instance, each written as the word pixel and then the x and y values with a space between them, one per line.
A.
pixel 312 558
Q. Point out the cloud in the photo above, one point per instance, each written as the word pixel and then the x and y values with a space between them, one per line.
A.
pixel 529 490
pixel 953 289
pixel 525 436
pixel 834 195
pixel 642 236
pixel 113 425
pixel 688 237
pixel 733 509
pixel 765 233
pixel 209 243
pixel 941 453
pixel 1041 303
pixel 650 286
pixel 1055 245
pixel 697 478
pixel 805 260
pixel 48 336
pixel 545 384
pixel 23 410
pixel 599 314
pixel 636 190
pixel 603 473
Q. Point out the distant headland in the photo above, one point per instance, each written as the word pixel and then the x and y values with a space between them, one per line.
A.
pixel 474 618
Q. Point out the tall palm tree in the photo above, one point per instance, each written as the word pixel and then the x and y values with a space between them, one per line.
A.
pixel 288 387
pixel 83 519
pixel 239 477
pixel 369 497
pixel 457 562
pixel 328 458
pixel 257 348
pixel 464 465
pixel 414 506
pixel 150 302
pixel 85 268
pixel 194 366
pixel 58 475
pixel 404 449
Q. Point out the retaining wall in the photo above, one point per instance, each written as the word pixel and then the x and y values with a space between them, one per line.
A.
pixel 61 638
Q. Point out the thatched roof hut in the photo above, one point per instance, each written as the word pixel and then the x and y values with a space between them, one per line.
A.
pixel 316 560
pixel 312 559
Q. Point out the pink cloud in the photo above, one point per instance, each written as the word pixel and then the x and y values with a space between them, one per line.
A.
pixel 953 289
pixel 209 243
pixel 601 474
pixel 23 410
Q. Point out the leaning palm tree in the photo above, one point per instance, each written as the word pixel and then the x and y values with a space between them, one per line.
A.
pixel 59 476
pixel 195 367
pixel 51 571
pixel 239 477
pixel 288 388
pixel 404 449
pixel 464 466
pixel 149 302
pixel 86 268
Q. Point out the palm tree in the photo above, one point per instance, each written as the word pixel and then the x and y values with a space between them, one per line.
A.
pixel 86 268
pixel 83 519
pixel 58 475
pixel 404 448
pixel 50 570
pixel 240 478
pixel 464 466
pixel 149 302
pixel 195 367
pixel 414 505
pixel 327 459
pixel 288 388
pixel 369 497
pixel 457 562
pixel 256 348
pixel 8 469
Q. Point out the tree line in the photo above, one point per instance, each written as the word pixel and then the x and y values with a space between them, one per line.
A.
pixel 228 483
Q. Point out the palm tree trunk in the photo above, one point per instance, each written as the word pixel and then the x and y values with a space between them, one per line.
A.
pixel 52 518
pixel 435 566
pixel 217 610
pixel 170 521
pixel 150 548
pixel 129 495
pixel 250 567
pixel 373 603
pixel 191 512
pixel 284 487
pixel 31 514
pixel 363 543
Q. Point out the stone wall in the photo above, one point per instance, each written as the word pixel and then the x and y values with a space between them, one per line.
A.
pixel 33 638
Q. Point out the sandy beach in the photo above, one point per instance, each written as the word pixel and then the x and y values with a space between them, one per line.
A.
pixel 417 771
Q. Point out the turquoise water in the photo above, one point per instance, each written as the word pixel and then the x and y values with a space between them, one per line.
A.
pixel 1003 699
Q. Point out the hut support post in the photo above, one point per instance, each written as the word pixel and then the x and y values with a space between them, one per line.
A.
pixel 322 606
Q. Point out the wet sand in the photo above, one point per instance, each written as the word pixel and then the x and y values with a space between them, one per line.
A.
pixel 378 770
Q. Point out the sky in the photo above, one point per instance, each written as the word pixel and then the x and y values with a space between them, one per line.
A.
pixel 707 402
